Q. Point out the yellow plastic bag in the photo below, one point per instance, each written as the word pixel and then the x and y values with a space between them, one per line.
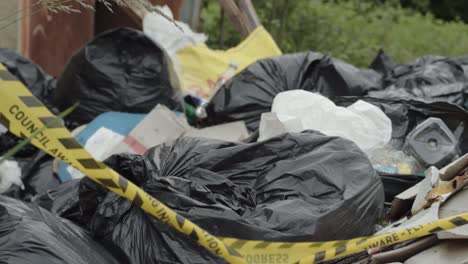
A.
pixel 200 67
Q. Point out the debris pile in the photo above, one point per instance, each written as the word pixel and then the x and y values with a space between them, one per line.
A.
pixel 182 154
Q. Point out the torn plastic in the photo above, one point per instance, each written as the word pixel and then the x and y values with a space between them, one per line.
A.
pixel 10 174
pixel 37 176
pixel 30 234
pixel 288 188
pixel 271 126
pixel 62 200
pixel 251 92
pixel 198 66
pixel 170 35
pixel 120 70
pixel 430 78
pixel 363 123
pixel 201 67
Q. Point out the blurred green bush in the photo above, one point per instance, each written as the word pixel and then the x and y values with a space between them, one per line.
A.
pixel 351 30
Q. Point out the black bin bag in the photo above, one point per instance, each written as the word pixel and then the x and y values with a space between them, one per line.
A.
pixel 429 78
pixel 30 234
pixel 251 92
pixel 31 75
pixel 294 187
pixel 37 81
pixel 120 70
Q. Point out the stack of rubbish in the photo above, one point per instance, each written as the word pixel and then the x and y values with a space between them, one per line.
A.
pixel 255 146
pixel 442 194
pixel 425 131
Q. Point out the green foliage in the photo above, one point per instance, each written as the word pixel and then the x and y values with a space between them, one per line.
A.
pixel 450 9
pixel 351 30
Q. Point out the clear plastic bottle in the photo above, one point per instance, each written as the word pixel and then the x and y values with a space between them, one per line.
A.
pixel 200 112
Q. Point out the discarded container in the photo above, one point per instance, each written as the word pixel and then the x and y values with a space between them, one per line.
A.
pixel 200 111
pixel 432 143
pixel 387 160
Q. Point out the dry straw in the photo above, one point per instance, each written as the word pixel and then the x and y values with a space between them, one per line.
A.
pixel 70 6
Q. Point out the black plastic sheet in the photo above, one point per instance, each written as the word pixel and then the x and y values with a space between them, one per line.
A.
pixel 251 92
pixel 31 75
pixel 395 184
pixel 295 187
pixel 120 70
pixel 429 78
pixel 30 234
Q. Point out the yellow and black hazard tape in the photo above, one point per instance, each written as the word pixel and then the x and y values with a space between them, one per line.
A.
pixel 317 252
pixel 24 115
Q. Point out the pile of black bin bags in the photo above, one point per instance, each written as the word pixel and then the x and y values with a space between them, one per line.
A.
pixel 408 94
pixel 295 187
pixel 250 93
pixel 120 70
pixel 430 78
pixel 433 86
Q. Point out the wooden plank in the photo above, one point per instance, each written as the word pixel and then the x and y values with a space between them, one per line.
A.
pixel 242 14
pixel 246 7
pixel 235 15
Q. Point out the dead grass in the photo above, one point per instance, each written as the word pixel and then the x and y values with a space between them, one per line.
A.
pixel 67 6
pixel 74 6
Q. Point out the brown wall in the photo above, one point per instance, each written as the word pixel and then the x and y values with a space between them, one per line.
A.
pixel 51 39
